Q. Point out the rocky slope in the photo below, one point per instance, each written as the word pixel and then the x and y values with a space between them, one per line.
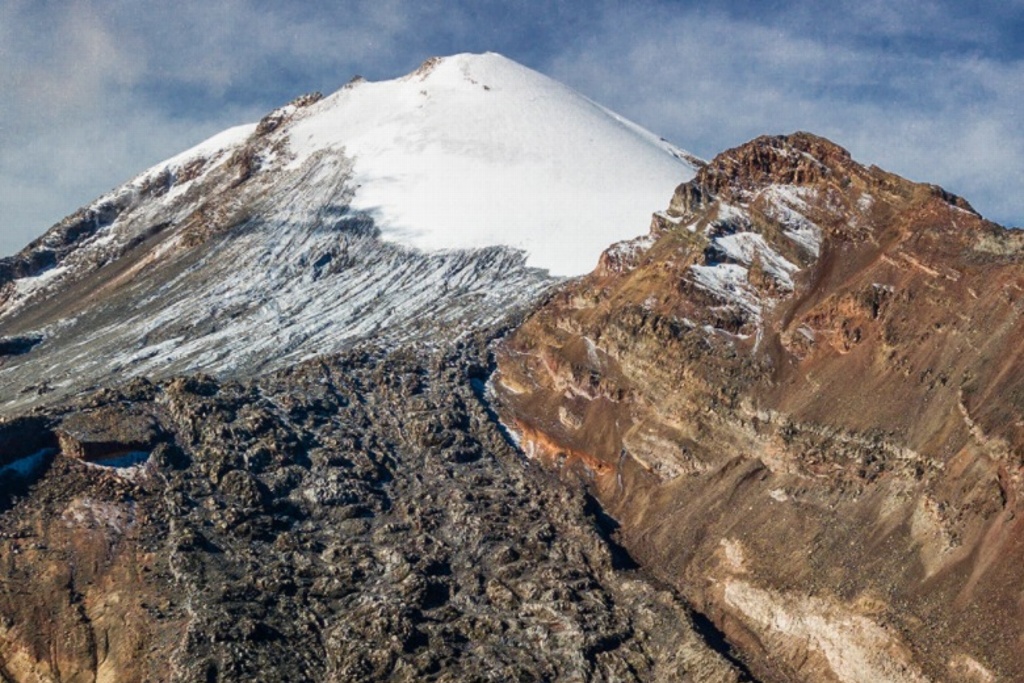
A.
pixel 801 397
pixel 243 433
pixel 354 518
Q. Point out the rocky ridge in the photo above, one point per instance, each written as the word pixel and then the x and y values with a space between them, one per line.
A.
pixel 800 396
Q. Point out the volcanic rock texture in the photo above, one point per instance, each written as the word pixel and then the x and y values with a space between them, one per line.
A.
pixel 356 518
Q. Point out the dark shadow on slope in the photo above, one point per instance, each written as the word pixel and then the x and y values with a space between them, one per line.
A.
pixel 717 641
pixel 27 449
pixel 606 526
pixel 17 346
pixel 18 476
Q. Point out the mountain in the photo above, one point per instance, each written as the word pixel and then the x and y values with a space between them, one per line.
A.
pixel 243 432
pixel 800 395
pixel 407 210
pixel 266 407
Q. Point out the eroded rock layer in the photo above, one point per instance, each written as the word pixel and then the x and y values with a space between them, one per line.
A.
pixel 801 395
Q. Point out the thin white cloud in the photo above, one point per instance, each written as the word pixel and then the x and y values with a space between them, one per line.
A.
pixel 711 81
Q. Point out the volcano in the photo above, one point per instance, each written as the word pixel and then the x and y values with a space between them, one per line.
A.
pixel 461 376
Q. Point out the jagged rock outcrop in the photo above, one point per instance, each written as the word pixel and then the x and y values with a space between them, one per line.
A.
pixel 801 397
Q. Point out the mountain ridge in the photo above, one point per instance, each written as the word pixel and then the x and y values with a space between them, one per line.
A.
pixel 800 396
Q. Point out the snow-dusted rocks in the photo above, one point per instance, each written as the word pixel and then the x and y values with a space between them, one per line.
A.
pixel 412 210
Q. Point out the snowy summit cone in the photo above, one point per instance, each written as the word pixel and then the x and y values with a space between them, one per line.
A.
pixel 401 210
pixel 477 150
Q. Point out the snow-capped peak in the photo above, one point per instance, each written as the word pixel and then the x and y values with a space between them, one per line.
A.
pixel 476 150
pixel 263 245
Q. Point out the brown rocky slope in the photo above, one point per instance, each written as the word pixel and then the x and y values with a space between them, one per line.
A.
pixel 801 395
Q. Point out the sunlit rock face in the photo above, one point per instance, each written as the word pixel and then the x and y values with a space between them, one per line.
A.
pixel 800 394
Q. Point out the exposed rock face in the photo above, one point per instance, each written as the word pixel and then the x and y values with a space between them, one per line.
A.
pixel 801 397
pixel 356 518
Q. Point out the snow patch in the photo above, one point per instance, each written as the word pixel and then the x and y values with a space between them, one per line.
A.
pixel 730 214
pixel 26 286
pixel 674 220
pixel 728 281
pixel 745 246
pixel 122 461
pixel 625 255
pixel 788 205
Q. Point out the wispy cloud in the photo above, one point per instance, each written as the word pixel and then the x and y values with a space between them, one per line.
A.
pixel 714 80
pixel 96 90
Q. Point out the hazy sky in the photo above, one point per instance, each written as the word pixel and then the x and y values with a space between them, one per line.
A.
pixel 95 91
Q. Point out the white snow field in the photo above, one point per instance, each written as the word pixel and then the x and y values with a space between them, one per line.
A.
pixel 477 150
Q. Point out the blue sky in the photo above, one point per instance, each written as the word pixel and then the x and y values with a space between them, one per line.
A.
pixel 98 90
